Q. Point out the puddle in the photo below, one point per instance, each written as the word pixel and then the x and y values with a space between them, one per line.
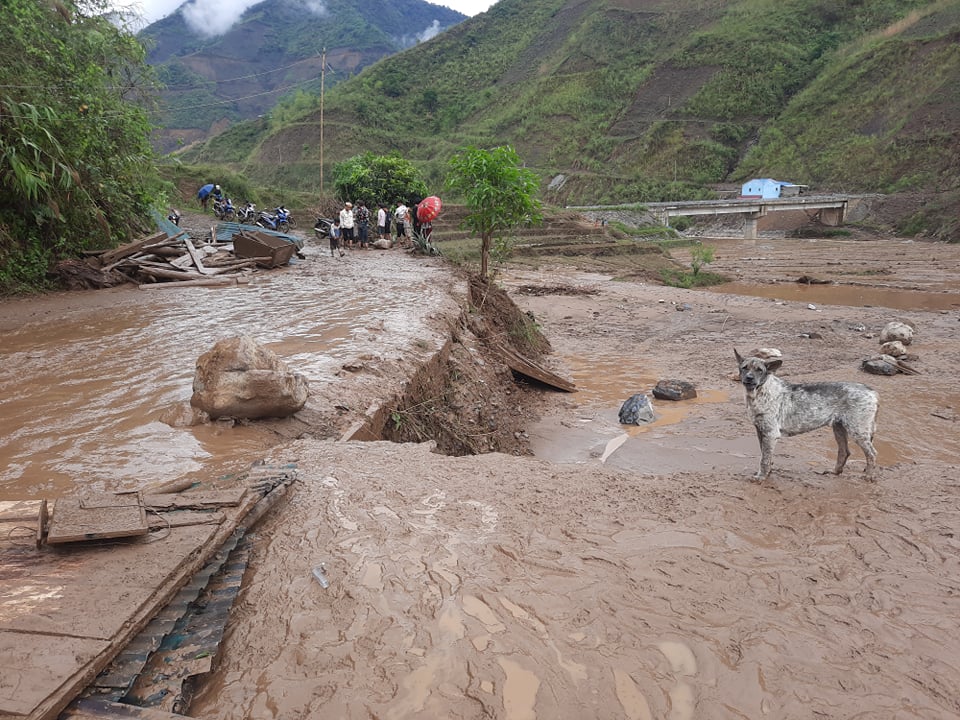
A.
pixel 849 295
pixel 595 434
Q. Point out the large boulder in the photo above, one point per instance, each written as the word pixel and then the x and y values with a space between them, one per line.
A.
pixel 238 378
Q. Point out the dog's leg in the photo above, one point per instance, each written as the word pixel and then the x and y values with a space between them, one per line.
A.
pixel 767 444
pixel 870 453
pixel 843 448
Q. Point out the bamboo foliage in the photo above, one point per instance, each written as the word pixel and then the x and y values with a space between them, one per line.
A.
pixel 76 167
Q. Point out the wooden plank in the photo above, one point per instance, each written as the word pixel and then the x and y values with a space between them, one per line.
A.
pixel 96 516
pixel 131 623
pixel 131 247
pixel 220 281
pixel 530 369
pixel 26 510
pixel 184 518
pixel 30 665
pixel 23 521
pixel 182 262
pixel 197 260
pixel 155 270
pixel 209 498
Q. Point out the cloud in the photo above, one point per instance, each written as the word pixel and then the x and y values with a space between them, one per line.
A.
pixel 432 31
pixel 317 7
pixel 214 17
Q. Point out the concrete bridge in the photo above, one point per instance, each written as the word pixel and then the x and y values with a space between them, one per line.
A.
pixel 830 208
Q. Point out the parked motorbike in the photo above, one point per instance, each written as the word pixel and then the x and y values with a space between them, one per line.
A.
pixel 322 228
pixel 278 220
pixel 224 209
pixel 247 213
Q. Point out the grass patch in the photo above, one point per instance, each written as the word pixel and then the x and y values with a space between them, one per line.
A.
pixel 690 279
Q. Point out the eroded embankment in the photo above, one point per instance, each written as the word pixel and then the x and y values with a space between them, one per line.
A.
pixel 464 397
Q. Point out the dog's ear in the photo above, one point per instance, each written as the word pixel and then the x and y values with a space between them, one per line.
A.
pixel 737 356
pixel 773 365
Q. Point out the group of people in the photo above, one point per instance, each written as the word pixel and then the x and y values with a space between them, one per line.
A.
pixel 352 226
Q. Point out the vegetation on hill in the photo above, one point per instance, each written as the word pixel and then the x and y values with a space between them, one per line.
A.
pixel 642 101
pixel 272 50
pixel 76 168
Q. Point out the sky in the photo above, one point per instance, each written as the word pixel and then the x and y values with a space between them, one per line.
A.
pixel 153 10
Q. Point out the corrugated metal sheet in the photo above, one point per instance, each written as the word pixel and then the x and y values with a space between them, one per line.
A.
pixel 226 231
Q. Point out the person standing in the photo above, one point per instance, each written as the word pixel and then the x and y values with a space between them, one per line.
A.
pixel 347 223
pixel 362 217
pixel 383 229
pixel 400 217
pixel 335 238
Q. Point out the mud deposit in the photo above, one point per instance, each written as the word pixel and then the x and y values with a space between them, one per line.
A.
pixel 625 572
pixel 639 573
pixel 514 588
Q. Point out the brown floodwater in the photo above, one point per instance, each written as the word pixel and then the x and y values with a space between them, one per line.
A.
pixel 852 295
pixel 84 393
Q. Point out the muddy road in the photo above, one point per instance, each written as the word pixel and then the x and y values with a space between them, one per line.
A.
pixel 623 572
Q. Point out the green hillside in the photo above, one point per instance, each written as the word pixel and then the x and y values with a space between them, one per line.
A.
pixel 271 51
pixel 638 100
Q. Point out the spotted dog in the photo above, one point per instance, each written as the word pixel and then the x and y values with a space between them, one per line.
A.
pixel 779 408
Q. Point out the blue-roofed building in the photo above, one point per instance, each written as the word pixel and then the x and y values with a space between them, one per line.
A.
pixel 769 189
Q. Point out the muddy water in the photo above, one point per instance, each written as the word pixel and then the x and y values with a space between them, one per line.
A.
pixel 594 432
pixel 853 295
pixel 84 393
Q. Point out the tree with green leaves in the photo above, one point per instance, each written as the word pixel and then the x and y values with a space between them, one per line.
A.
pixel 498 191
pixel 377 178
pixel 76 165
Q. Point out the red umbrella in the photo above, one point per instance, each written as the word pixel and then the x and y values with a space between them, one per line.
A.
pixel 428 209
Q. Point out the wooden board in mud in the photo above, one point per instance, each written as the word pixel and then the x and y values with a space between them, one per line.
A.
pixel 519 364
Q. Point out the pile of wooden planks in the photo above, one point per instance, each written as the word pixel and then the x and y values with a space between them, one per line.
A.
pixel 159 260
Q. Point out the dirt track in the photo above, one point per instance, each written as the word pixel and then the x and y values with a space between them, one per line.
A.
pixel 647 577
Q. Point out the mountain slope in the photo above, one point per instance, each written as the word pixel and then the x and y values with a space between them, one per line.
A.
pixel 221 70
pixel 631 99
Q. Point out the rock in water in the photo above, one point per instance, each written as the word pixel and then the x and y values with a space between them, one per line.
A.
pixel 674 390
pixel 636 410
pixel 238 378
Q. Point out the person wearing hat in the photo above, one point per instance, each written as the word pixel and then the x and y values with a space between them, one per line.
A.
pixel 346 223
pixel 206 192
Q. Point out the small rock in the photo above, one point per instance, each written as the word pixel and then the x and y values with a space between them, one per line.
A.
pixel 766 353
pixel 880 365
pixel 674 390
pixel 894 348
pixel 811 306
pixel 896 331
pixel 636 410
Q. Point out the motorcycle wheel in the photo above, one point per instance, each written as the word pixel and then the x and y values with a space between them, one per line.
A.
pixel 283 227
pixel 292 223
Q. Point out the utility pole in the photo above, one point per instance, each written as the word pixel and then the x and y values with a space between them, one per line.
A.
pixel 323 72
